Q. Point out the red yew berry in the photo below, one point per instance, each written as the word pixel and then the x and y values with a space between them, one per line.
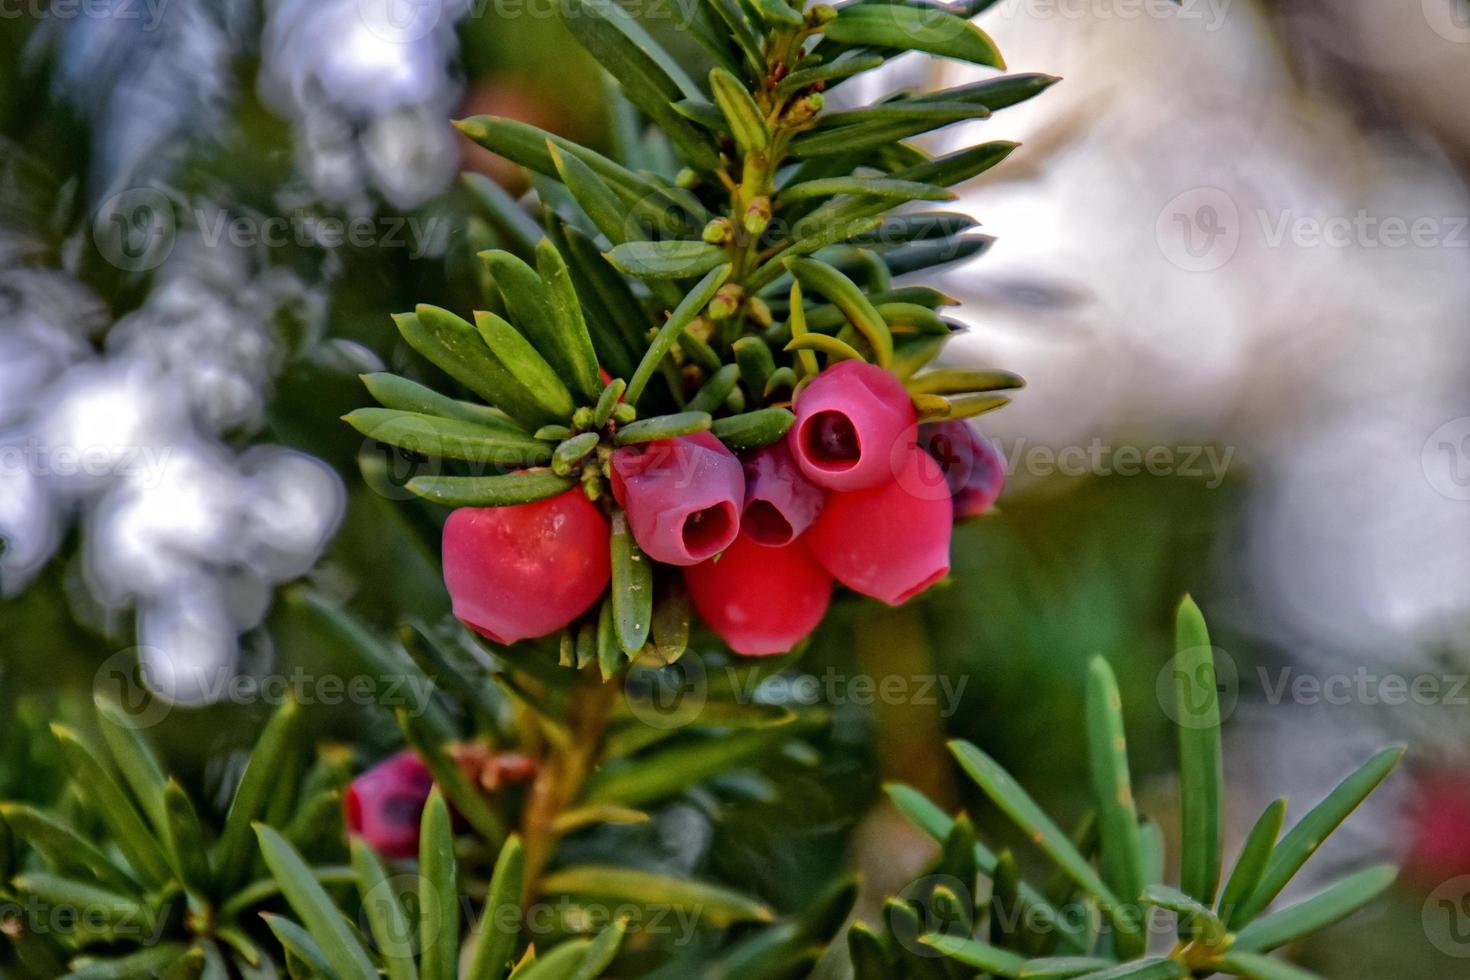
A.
pixel 527 570
pixel 974 469
pixel 1438 818
pixel 780 503
pixel 851 421
pixel 682 496
pixel 383 805
pixel 888 541
pixel 760 600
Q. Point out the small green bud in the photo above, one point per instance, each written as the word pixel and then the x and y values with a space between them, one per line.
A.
pixel 759 311
pixel 820 13
pixel 735 401
pixel 592 489
pixel 757 215
pixel 583 418
pixel 624 413
pixel 718 232
pixel 805 109
pixel 687 178
pixel 726 301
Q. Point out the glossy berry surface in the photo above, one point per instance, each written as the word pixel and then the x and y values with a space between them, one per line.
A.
pixel 973 468
pixel 852 423
pixel 760 600
pixel 527 570
pixel 890 542
pixel 384 805
pixel 780 502
pixel 683 496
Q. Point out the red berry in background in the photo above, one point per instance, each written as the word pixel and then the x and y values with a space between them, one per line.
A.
pixel 1438 818
pixel 683 496
pixel 527 570
pixel 384 804
pixel 760 600
pixel 891 541
pixel 973 468
pixel 851 421
pixel 780 503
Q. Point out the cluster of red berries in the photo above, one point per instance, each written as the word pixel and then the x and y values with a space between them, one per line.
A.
pixel 858 492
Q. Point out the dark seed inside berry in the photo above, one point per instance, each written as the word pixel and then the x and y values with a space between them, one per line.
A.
pixel 704 530
pixel 765 524
pixel 831 440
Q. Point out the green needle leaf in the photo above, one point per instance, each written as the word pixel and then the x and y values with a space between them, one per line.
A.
pixel 556 964
pixel 747 124
pixel 140 767
pixel 1303 839
pixel 1152 969
pixel 64 848
pixel 632 587
pixel 518 357
pixel 186 838
pixel 1064 966
pixel 456 348
pixel 797 325
pixel 1253 966
pixel 388 921
pixel 1201 922
pixel 450 438
pixel 1197 713
pixel 910 28
pixel 1122 863
pixel 711 396
pixel 835 71
pixel 107 798
pixel 337 940
pixel 651 79
pixel 714 904
pixel 602 951
pixel 609 644
pixel 843 293
pixel 392 391
pixel 948 382
pixel 750 431
pixel 438 894
pixel 1333 904
pixel 523 487
pixel 662 427
pixel 896 190
pixel 501 917
pixel 689 308
pixel 974 953
pixel 594 197
pixel 666 260
pixel 1016 804
pixel 568 344
pixel 299 944
pixel 1251 864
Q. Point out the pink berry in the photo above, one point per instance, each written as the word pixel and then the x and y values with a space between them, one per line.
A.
pixel 851 424
pixel 1438 824
pixel 682 496
pixel 780 503
pixel 891 541
pixel 384 805
pixel 760 600
pixel 973 468
pixel 527 570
